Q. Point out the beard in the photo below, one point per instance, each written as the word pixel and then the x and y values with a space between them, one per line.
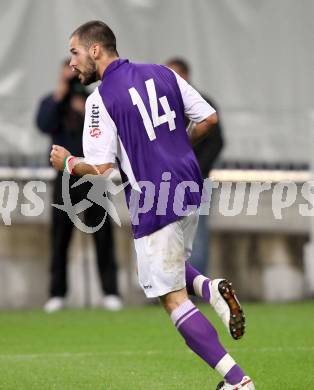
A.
pixel 90 74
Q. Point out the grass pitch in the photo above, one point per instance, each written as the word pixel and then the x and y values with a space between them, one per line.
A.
pixel 139 348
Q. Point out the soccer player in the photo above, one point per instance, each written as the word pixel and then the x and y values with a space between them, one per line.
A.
pixel 136 117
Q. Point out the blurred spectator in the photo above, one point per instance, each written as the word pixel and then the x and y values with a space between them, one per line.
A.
pixel 61 115
pixel 207 153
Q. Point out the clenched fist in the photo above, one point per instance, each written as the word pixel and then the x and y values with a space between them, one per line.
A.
pixel 57 156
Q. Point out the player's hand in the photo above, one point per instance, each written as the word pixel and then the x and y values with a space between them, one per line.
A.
pixel 57 156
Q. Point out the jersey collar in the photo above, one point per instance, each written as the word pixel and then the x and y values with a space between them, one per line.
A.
pixel 113 66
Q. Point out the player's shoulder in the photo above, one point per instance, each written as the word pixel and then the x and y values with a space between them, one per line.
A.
pixel 150 66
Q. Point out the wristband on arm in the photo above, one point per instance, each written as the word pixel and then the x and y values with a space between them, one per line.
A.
pixel 69 163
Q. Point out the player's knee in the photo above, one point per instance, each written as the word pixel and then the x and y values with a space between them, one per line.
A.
pixel 173 300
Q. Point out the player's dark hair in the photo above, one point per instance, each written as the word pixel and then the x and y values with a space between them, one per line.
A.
pixel 179 62
pixel 96 31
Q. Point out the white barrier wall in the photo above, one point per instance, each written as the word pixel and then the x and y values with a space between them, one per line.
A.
pixel 262 253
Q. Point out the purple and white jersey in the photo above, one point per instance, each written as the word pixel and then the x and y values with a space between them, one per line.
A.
pixel 136 118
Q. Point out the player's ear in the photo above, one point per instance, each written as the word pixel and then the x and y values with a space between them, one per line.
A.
pixel 94 51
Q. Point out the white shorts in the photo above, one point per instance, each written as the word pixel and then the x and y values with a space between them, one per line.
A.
pixel 161 256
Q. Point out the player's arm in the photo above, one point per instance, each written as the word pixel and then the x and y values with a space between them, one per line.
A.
pixel 199 131
pixel 61 160
pixel 99 143
pixel 202 115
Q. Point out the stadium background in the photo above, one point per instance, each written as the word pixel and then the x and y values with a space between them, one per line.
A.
pixel 255 58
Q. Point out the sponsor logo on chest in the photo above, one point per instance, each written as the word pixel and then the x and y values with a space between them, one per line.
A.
pixel 94 122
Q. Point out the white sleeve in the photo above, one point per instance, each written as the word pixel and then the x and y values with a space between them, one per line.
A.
pixel 195 107
pixel 100 132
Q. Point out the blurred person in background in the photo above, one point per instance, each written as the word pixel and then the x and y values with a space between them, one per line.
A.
pixel 207 153
pixel 140 112
pixel 61 115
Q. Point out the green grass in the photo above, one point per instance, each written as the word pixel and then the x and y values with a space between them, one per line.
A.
pixel 139 348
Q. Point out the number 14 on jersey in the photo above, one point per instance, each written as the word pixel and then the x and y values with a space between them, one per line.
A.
pixel 156 120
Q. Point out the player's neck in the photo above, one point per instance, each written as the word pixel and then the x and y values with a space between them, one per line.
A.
pixel 104 63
